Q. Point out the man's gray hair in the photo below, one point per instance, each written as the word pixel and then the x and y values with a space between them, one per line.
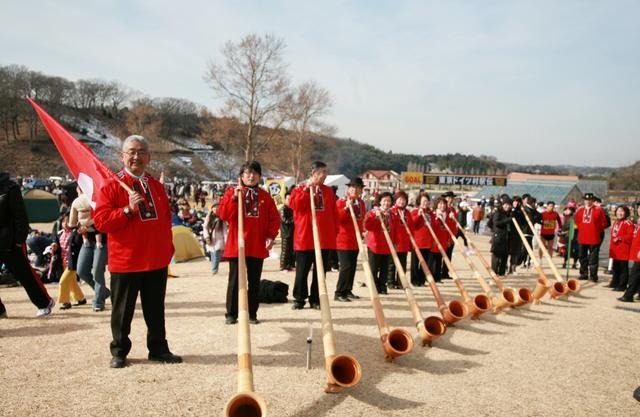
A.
pixel 136 138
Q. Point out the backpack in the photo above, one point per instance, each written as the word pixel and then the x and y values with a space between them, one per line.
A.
pixel 273 291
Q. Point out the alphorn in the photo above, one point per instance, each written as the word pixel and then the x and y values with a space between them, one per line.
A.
pixel 430 328
pixel 509 296
pixel 457 310
pixel 543 285
pixel 343 371
pixel 479 304
pixel 245 402
pixel 395 342
pixel 572 284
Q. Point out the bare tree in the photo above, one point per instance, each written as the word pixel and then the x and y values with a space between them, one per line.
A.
pixel 254 84
pixel 307 105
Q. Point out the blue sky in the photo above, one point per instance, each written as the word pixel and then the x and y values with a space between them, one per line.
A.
pixel 546 82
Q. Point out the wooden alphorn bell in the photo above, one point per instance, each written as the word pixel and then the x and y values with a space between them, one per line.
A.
pixel 572 284
pixel 430 328
pixel 509 296
pixel 245 402
pixel 343 371
pixel 395 342
pixel 543 284
pixel 479 304
pixel 456 311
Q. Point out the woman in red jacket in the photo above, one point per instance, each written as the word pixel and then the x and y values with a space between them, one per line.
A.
pixel 261 225
pixel 422 237
pixel 378 250
pixel 619 248
pixel 438 219
pixel 347 239
pixel 634 273
pixel 399 213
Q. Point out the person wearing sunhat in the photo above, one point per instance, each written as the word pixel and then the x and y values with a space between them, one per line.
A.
pixel 591 222
pixel 346 240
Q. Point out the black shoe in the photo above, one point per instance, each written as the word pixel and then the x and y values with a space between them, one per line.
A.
pixel 166 357
pixel 118 362
pixel 583 278
pixel 254 321
pixel 297 306
pixel 593 279
pixel 619 289
pixel 625 300
pixel 315 306
pixel 383 292
pixel 447 277
pixel 352 296
pixel 81 302
pixel 230 320
pixel 65 306
pixel 342 299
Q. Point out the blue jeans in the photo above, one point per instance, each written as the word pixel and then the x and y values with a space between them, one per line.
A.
pixel 215 259
pixel 92 262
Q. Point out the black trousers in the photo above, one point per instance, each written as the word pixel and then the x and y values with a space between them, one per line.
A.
pixel 304 261
pixel 435 265
pixel 152 286
pixel 524 254
pixel 620 277
pixel 464 238
pixel 634 281
pixel 348 260
pixel 286 254
pixel 417 274
pixel 589 255
pixel 476 226
pixel 499 263
pixel 444 267
pixel 17 262
pixel 379 264
pixel 392 277
pixel 254 272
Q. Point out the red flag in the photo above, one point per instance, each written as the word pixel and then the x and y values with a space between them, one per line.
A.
pixel 87 169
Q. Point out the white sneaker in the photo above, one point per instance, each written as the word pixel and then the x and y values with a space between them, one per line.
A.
pixel 47 310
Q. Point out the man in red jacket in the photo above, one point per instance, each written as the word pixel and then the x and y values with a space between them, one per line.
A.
pixel 591 222
pixel 346 241
pixel 140 247
pixel 634 274
pixel 325 204
pixel 261 225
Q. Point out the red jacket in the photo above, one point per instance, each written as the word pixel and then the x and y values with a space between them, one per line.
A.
pixel 621 238
pixel 376 240
pixel 300 203
pixel 590 223
pixel 420 231
pixel 441 232
pixel 403 242
pixel 143 242
pixel 261 222
pixel 634 251
pixel 550 221
pixel 346 239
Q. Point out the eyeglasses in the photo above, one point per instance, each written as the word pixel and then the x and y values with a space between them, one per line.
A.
pixel 136 152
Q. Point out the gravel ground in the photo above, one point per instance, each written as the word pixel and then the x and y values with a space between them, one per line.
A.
pixel 570 357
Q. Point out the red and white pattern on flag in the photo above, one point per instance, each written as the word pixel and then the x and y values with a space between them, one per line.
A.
pixel 86 168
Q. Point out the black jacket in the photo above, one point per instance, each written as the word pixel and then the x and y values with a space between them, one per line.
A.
pixel 14 225
pixel 501 238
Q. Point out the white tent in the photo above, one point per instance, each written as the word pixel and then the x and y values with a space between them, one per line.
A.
pixel 339 181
